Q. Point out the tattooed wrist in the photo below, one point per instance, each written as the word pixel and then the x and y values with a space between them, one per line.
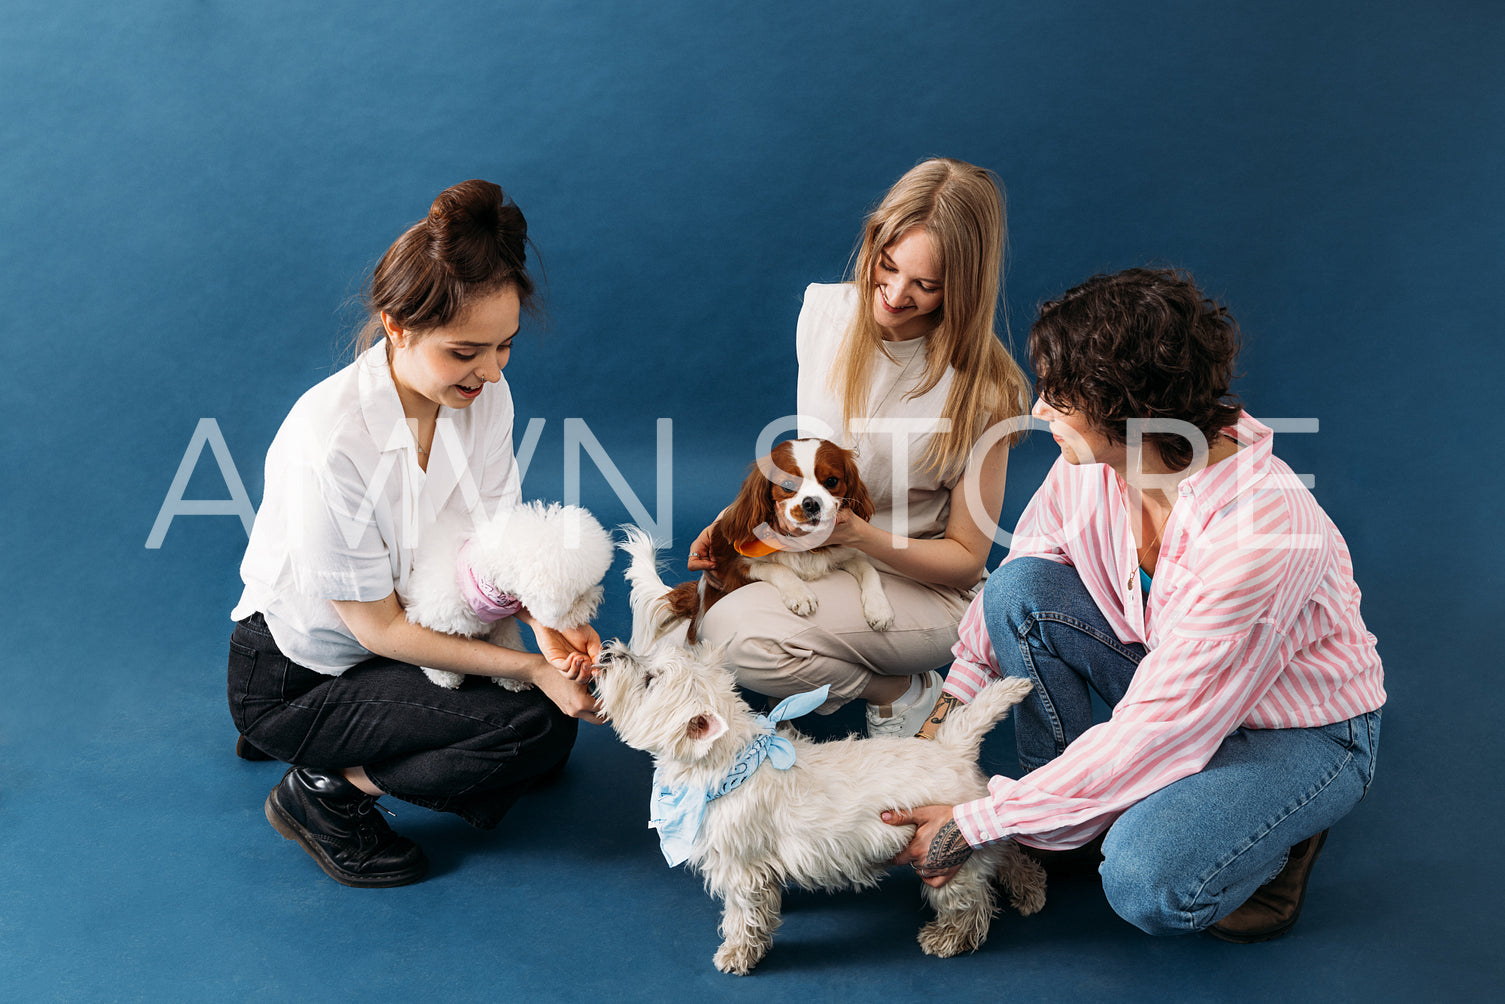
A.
pixel 943 707
pixel 948 850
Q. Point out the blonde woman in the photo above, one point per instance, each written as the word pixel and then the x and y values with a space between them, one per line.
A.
pixel 903 364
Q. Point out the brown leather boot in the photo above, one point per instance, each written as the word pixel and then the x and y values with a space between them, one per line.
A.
pixel 1274 907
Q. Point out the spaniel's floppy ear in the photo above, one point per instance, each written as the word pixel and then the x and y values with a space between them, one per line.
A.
pixel 754 504
pixel 858 499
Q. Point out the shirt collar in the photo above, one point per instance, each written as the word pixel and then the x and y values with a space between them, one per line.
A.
pixel 388 427
pixel 1216 485
pixel 380 406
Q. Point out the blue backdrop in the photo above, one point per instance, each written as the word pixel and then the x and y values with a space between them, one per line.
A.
pixel 193 193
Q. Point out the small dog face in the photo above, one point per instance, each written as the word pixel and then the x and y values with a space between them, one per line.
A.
pixel 809 481
pixel 797 490
pixel 672 702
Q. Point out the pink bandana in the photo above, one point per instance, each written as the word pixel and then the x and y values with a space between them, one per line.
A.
pixel 489 603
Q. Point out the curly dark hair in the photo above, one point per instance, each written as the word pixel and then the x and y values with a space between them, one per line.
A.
pixel 1141 343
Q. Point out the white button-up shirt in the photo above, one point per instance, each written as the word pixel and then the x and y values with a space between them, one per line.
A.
pixel 346 503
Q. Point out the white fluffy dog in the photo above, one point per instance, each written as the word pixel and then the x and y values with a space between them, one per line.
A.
pixel 815 822
pixel 549 559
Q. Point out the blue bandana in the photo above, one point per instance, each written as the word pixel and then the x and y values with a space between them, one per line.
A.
pixel 678 812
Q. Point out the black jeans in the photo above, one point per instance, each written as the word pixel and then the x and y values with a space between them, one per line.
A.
pixel 470 751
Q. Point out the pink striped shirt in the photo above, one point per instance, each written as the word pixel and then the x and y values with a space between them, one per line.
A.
pixel 1252 620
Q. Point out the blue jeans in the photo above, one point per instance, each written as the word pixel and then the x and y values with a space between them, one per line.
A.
pixel 1194 851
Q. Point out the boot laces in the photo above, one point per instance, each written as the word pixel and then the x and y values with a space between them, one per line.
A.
pixel 370 827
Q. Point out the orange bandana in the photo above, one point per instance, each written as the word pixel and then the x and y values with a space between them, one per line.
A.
pixel 755 548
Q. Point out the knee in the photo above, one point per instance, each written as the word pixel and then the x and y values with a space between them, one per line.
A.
pixel 543 732
pixel 1015 589
pixel 1011 598
pixel 751 649
pixel 777 667
pixel 561 731
pixel 763 665
pixel 558 742
pixel 1144 887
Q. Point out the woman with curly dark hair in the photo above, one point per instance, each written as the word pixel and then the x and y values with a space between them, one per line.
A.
pixel 1171 564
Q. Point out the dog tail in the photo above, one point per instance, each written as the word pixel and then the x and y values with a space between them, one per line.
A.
pixel 965 726
pixel 652 616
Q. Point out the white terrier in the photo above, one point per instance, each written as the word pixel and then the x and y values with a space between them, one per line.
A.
pixel 472 579
pixel 810 815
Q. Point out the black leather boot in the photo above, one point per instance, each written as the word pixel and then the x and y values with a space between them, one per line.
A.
pixel 341 828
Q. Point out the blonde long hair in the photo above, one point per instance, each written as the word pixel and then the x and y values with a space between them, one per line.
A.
pixel 961 207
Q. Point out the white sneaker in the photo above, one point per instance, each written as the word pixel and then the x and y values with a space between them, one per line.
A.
pixel 904 720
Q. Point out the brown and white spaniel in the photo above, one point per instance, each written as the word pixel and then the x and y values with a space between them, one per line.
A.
pixel 775 532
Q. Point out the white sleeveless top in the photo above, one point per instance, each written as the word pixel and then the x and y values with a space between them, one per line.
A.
pixel 910 501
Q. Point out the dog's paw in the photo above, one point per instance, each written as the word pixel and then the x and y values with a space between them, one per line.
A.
pixel 516 686
pixel 444 678
pixel 878 612
pixel 1028 902
pixel 943 939
pixel 801 601
pixel 1024 879
pixel 738 959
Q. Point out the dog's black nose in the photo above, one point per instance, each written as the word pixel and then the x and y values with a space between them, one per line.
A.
pixel 810 504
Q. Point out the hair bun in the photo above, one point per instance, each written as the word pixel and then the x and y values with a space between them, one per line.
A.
pixel 475 231
pixel 472 243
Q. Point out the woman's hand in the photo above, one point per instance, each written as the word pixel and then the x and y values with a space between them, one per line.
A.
pixel 700 551
pixel 700 556
pixel 937 850
pixel 574 652
pixel 851 530
pixel 573 697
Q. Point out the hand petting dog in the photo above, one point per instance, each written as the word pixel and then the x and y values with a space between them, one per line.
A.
pixel 938 850
pixel 784 528
pixel 846 531
pixel 572 651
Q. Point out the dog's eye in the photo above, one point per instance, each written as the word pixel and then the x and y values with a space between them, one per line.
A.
pixel 788 486
pixel 648 680
pixel 831 482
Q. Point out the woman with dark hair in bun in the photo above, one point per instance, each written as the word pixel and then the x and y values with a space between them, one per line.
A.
pixel 1174 566
pixel 323 661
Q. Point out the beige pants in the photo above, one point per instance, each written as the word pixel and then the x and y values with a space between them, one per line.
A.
pixel 778 653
